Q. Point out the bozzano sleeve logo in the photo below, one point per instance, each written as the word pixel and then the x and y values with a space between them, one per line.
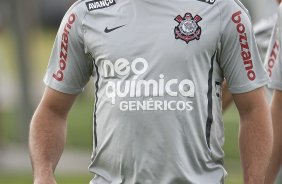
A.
pixel 243 41
pixel 59 75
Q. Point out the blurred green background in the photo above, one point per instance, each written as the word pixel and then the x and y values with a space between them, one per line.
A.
pixel 27 32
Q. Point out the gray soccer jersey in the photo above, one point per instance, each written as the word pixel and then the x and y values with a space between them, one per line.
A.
pixel 158 68
pixel 274 57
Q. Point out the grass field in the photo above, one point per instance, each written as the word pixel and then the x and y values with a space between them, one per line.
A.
pixel 27 179
pixel 80 119
pixel 70 179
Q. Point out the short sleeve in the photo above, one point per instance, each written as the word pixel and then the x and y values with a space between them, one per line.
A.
pixel 276 73
pixel 239 57
pixel 69 68
pixel 271 57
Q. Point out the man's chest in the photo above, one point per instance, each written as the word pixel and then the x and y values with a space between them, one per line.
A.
pixel 172 31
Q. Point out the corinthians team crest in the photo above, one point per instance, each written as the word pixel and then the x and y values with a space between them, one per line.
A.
pixel 188 28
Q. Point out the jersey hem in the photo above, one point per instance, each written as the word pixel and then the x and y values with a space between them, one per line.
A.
pixel 275 85
pixel 62 88
pixel 248 87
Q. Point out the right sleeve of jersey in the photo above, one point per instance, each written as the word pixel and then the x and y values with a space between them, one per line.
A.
pixel 276 77
pixel 276 57
pixel 271 57
pixel 69 68
pixel 239 57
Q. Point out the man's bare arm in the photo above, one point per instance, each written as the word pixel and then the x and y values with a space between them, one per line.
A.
pixel 276 158
pixel 48 134
pixel 255 136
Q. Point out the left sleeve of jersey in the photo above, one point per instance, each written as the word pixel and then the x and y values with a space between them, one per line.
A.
pixel 275 59
pixel 239 57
